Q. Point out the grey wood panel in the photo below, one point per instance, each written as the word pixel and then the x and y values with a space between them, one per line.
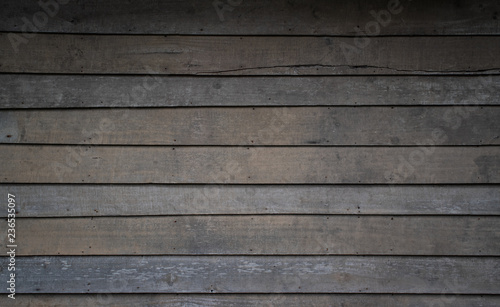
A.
pixel 259 235
pixel 75 91
pixel 246 165
pixel 256 274
pixel 318 17
pixel 123 200
pixel 255 126
pixel 254 55
pixel 247 300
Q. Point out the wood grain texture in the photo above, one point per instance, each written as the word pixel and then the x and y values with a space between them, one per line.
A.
pixel 259 235
pixel 254 55
pixel 246 165
pixel 248 300
pixel 123 200
pixel 256 274
pixel 248 126
pixel 318 17
pixel 76 91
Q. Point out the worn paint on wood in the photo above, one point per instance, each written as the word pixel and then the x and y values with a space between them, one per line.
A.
pixel 259 235
pixel 254 55
pixel 256 274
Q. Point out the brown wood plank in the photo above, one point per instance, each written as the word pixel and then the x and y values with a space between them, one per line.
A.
pixel 123 200
pixel 256 274
pixel 76 91
pixel 304 17
pixel 259 235
pixel 254 55
pixel 247 300
pixel 138 164
pixel 248 126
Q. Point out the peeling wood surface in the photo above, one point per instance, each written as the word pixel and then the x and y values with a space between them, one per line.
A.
pixel 63 200
pixel 259 235
pixel 254 55
pixel 92 91
pixel 303 17
pixel 256 126
pixel 248 165
pixel 257 274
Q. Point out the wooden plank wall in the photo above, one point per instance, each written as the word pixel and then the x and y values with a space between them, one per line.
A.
pixel 250 153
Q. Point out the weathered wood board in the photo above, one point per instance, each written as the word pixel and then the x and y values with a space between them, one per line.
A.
pixel 94 91
pixel 303 17
pixel 257 274
pixel 250 300
pixel 249 165
pixel 253 55
pixel 259 235
pixel 62 200
pixel 309 126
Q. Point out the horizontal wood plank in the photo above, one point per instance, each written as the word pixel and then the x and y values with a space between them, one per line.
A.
pixel 247 165
pixel 256 274
pixel 248 300
pixel 258 235
pixel 255 55
pixel 94 91
pixel 317 17
pixel 248 126
pixel 123 200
